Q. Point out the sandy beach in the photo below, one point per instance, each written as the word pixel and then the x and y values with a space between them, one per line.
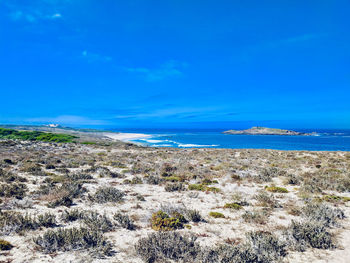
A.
pixel 126 136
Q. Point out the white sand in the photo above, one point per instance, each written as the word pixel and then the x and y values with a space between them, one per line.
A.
pixel 126 136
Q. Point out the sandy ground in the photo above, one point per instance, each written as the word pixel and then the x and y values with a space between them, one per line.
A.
pixel 213 231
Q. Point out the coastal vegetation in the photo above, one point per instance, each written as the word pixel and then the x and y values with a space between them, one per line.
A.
pixel 138 204
pixel 35 136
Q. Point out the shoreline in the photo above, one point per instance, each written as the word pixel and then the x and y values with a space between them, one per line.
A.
pixel 126 137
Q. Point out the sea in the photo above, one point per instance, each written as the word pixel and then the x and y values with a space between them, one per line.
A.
pixel 323 140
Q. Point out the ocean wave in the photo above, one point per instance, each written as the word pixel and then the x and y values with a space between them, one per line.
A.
pixel 195 145
pixel 152 141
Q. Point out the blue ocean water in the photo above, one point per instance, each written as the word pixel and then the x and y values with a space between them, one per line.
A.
pixel 325 140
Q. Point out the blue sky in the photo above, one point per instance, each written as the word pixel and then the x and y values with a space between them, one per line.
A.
pixel 179 63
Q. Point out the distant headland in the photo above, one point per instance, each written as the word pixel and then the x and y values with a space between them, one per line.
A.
pixel 266 131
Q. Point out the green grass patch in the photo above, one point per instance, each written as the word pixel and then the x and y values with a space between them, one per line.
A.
pixel 209 182
pixel 276 189
pixel 216 215
pixel 234 206
pixel 89 143
pixel 201 187
pixel 333 198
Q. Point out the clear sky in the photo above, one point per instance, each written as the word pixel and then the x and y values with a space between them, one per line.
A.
pixel 175 63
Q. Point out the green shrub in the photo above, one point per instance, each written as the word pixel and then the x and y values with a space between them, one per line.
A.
pixel 161 221
pixel 35 136
pixel 216 215
pixel 197 187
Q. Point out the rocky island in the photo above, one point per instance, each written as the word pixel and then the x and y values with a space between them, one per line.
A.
pixel 266 131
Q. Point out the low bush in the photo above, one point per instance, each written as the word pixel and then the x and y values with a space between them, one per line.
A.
pixel 140 197
pixel 265 247
pixel 71 215
pixel 9 177
pixel 97 222
pixel 266 200
pixel 174 187
pixel 161 221
pixel 124 221
pixel 164 246
pixel 256 216
pixel 323 213
pixel 193 215
pixel 5 245
pixel 46 220
pixel 16 190
pixel 154 180
pixel 107 194
pixel 79 176
pixel 301 235
pixel 267 174
pixel 65 194
pixel 292 179
pixel 15 222
pixel 259 247
pixel 74 239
